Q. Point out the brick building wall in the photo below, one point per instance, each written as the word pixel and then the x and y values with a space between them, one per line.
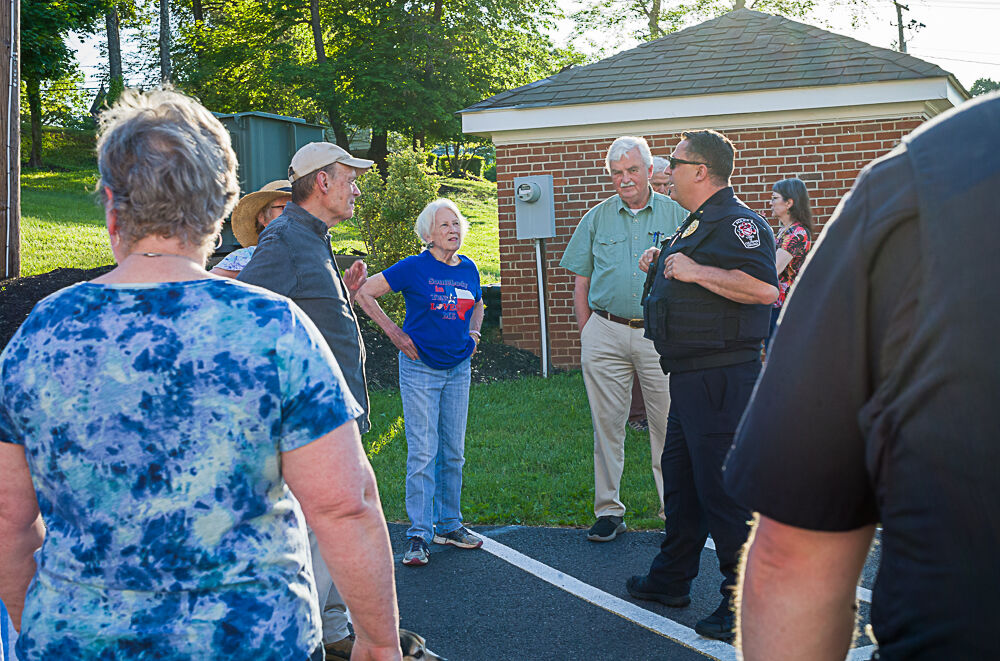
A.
pixel 827 156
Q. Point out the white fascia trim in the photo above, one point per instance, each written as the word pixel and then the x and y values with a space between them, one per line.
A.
pixel 882 111
pixel 808 103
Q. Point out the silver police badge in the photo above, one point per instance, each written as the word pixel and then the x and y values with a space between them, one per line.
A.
pixel 747 232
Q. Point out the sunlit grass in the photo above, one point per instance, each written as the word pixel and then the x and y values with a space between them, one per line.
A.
pixel 63 226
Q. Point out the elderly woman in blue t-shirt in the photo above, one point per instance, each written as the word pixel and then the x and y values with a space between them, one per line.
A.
pixel 444 311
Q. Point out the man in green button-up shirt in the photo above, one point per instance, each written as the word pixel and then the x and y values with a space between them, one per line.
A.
pixel 604 254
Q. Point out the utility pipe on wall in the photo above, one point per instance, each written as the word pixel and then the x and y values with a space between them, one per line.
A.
pixel 544 334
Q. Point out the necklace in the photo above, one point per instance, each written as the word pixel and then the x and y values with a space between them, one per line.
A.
pixel 160 254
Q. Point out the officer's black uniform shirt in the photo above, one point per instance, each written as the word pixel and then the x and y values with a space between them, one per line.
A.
pixel 880 401
pixel 696 322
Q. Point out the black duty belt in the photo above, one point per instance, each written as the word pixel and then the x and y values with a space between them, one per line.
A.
pixel 631 323
pixel 670 365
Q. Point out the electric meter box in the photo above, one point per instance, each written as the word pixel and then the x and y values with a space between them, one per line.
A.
pixel 534 207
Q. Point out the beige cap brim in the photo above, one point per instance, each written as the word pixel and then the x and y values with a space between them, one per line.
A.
pixel 245 215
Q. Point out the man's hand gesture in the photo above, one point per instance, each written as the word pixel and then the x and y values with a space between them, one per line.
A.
pixel 355 276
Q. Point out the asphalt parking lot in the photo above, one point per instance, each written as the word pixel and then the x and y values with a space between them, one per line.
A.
pixel 548 593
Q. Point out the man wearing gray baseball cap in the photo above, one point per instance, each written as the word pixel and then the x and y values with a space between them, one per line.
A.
pixel 294 258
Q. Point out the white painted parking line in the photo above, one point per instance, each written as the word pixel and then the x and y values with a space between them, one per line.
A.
pixel 656 623
pixel 863 594
pixel 714 649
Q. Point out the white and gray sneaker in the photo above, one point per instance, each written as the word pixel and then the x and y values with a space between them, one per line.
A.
pixel 461 538
pixel 418 554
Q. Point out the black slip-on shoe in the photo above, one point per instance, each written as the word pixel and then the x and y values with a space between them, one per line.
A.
pixel 638 588
pixel 606 528
pixel 720 625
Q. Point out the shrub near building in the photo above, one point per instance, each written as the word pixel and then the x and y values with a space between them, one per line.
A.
pixel 386 212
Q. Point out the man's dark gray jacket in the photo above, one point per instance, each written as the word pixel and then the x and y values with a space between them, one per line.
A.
pixel 293 258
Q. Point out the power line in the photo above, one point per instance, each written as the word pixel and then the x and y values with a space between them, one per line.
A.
pixel 954 59
pixel 956 50
pixel 964 5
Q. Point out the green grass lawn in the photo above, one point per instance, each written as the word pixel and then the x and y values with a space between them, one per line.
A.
pixel 63 226
pixel 61 223
pixel 529 456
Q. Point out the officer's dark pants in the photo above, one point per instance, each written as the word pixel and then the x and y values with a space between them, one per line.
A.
pixel 705 408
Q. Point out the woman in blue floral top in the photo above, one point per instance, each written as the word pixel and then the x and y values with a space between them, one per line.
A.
pixel 790 207
pixel 148 459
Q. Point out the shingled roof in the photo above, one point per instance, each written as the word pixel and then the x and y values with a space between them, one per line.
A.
pixel 740 51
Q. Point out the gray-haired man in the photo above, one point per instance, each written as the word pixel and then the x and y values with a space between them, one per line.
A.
pixel 658 180
pixel 294 258
pixel 604 254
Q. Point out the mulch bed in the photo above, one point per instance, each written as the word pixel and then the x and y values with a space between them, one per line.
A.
pixel 493 361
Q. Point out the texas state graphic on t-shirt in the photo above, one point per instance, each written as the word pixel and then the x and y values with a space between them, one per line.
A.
pixel 451 300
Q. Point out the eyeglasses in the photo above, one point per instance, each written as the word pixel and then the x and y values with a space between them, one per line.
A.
pixel 675 161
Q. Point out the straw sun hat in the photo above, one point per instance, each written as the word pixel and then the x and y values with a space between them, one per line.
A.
pixel 245 213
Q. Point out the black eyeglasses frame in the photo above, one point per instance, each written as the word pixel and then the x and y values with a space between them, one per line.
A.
pixel 674 162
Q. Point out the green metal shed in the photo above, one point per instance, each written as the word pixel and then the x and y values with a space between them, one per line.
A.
pixel 264 146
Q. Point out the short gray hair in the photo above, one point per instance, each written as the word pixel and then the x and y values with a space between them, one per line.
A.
pixel 426 218
pixel 659 164
pixel 303 187
pixel 169 166
pixel 625 144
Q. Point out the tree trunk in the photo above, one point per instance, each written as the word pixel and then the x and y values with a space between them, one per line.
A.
pixel 35 108
pixel 317 31
pixel 654 20
pixel 332 109
pixel 379 149
pixel 114 44
pixel 165 75
pixel 339 130
pixel 456 165
pixel 198 13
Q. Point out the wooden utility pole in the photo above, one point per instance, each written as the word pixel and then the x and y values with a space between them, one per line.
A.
pixel 10 125
pixel 899 24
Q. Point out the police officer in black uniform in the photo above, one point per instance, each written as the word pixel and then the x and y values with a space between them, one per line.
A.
pixel 707 312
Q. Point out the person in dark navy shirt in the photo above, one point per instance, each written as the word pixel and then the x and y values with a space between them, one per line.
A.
pixel 888 383
pixel 707 312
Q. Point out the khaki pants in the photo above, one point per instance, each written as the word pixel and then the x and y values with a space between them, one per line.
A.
pixel 611 354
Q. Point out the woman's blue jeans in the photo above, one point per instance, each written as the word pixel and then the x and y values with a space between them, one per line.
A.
pixel 435 409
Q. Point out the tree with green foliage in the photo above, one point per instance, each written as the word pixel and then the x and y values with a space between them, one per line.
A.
pixel 386 212
pixel 390 67
pixel 44 54
pixel 63 101
pixel 246 55
pixel 617 21
pixel 983 86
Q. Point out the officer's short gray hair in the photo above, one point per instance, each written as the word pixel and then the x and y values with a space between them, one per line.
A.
pixel 625 144
pixel 167 168
pixel 659 164
pixel 425 221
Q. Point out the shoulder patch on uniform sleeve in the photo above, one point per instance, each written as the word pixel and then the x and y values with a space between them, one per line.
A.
pixel 747 232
